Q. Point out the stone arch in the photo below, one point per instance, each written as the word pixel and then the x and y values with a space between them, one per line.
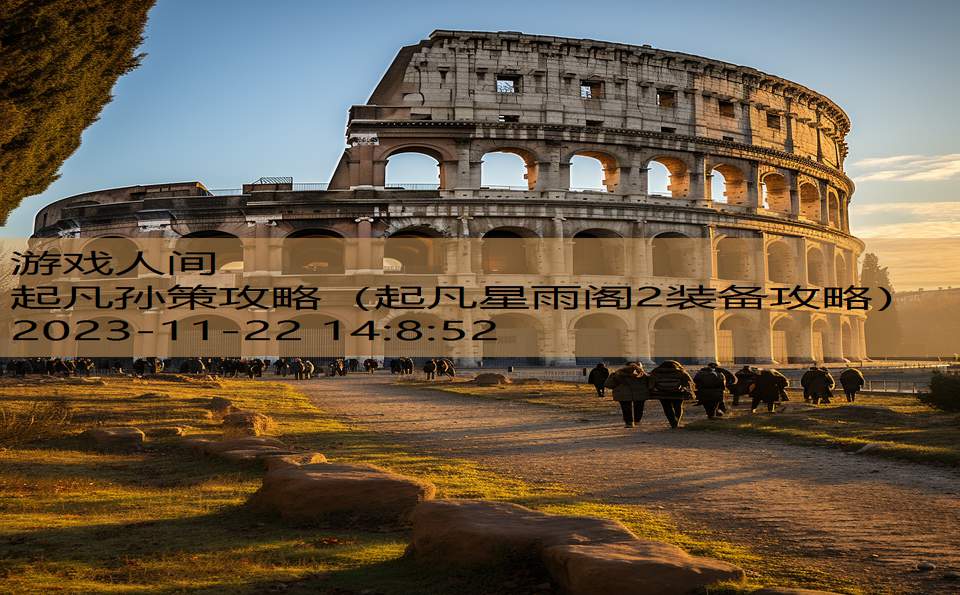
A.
pixel 227 247
pixel 196 339
pixel 678 175
pixel 320 338
pixel 519 339
pixel 728 185
pixel 816 267
pixel 413 156
pixel 810 201
pixel 674 336
pixel 122 252
pixel 598 252
pixel 781 266
pixel 848 349
pixel 674 255
pixel 734 258
pixel 824 348
pixel 530 166
pixel 417 250
pixel 775 195
pixel 314 251
pixel 833 209
pixel 509 250
pixel 600 337
pixel 786 340
pixel 737 340
pixel 840 268
pixel 609 170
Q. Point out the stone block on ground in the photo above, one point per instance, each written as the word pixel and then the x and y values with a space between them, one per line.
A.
pixel 221 405
pixel 284 461
pixel 152 396
pixel 115 438
pixel 254 454
pixel 490 379
pixel 215 447
pixel 476 532
pixel 339 494
pixel 246 423
pixel 639 567
pixel 165 431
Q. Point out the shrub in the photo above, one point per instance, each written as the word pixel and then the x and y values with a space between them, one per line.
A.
pixel 41 420
pixel 944 392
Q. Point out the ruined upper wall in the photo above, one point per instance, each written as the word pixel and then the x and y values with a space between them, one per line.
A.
pixel 453 76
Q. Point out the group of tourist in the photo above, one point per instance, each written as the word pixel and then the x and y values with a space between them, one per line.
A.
pixel 671 384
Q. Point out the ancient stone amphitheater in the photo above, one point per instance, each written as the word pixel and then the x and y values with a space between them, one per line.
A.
pixel 756 182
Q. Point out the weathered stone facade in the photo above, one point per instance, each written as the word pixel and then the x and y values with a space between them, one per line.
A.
pixel 459 95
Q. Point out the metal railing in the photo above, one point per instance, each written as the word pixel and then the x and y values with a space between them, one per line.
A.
pixel 311 187
pixel 226 191
pixel 496 187
pixel 412 187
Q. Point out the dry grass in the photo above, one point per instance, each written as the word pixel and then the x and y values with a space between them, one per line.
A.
pixel 163 521
pixel 20 426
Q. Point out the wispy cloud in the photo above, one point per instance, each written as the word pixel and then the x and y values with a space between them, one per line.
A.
pixel 936 219
pixel 908 168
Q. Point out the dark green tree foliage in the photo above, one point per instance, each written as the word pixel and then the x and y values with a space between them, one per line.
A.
pixel 944 392
pixel 59 59
pixel 882 328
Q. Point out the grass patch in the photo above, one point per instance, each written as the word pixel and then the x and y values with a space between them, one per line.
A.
pixel 162 520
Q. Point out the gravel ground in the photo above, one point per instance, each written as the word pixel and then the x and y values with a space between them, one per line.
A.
pixel 869 519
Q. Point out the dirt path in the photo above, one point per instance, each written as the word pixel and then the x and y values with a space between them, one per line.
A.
pixel 867 518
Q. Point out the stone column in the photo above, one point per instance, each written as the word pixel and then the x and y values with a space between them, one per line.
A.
pixel 793 186
pixel 824 204
pixel 753 186
pixel 708 254
pixel 364 253
pixel 698 178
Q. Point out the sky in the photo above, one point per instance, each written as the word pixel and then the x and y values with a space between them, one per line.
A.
pixel 232 90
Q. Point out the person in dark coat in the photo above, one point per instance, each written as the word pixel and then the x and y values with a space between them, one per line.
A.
pixel 805 381
pixel 852 381
pixel 672 385
pixel 598 378
pixel 631 388
pixel 745 377
pixel 430 369
pixel 710 385
pixel 819 385
pixel 768 387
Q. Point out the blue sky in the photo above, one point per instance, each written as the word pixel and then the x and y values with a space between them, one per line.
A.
pixel 233 90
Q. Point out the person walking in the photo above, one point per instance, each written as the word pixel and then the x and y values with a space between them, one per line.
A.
pixel 820 386
pixel 430 369
pixel 598 378
pixel 710 384
pixel 744 378
pixel 631 389
pixel 769 386
pixel 806 379
pixel 672 385
pixel 852 381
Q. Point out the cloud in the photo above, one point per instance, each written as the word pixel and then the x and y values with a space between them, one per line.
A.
pixel 936 219
pixel 908 168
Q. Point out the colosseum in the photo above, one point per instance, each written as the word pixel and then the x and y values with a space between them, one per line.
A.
pixel 754 165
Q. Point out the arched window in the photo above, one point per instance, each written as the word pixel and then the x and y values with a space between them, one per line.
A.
pixel 205 336
pixel 810 201
pixel 118 254
pixel 675 337
pixel 774 193
pixel 600 337
pixel 833 209
pixel 412 170
pixel 668 176
pixel 518 342
pixel 786 340
pixel 508 250
pixel 727 185
pixel 597 252
pixel 734 258
pixel 509 169
pixel 595 171
pixel 318 339
pixel 816 271
pixel 840 265
pixel 780 267
pixel 674 255
pixel 415 251
pixel 313 252
pixel 737 341
pixel 227 248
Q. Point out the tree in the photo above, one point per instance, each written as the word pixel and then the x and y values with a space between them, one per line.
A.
pixel 882 327
pixel 59 60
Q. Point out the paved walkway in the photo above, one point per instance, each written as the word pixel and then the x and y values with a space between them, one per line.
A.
pixel 859 516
